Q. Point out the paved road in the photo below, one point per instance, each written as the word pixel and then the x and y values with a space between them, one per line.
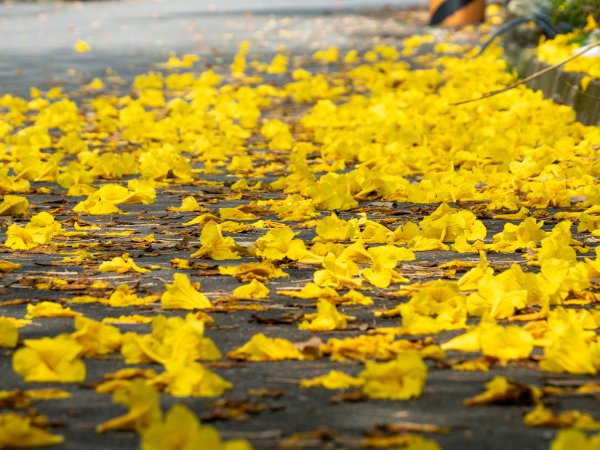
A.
pixel 36 48
pixel 36 39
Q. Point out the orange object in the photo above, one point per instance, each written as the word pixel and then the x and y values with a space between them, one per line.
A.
pixel 456 12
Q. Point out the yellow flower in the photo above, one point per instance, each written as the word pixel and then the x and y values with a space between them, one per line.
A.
pixel 124 296
pixel 327 318
pixel 105 199
pixel 545 417
pixel 19 432
pixel 332 192
pixel 406 441
pixel 182 295
pixel 253 290
pixel 467 342
pixel 525 235
pixel 39 231
pixel 400 379
pixel 191 380
pixel 499 296
pixel 500 390
pixel 278 134
pixel 575 440
pixel 333 229
pixel 9 333
pixel 558 245
pixel 50 360
pixel 143 402
pixel 188 204
pixel 82 47
pixel 13 205
pixel 447 224
pixel 121 264
pixel 235 214
pixel 263 348
pixel 384 260
pixel 333 380
pixel 278 244
pixel 172 339
pixel 262 271
pixel 337 273
pixel 569 352
pixel 7 266
pixel 214 245
pixel 434 307
pixel 368 347
pixel 96 84
pixel 506 343
pixel 49 309
pixel 181 430
pixel 96 338
pixel 330 55
pixel 470 280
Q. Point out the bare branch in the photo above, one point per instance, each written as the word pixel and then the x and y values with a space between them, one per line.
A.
pixel 531 77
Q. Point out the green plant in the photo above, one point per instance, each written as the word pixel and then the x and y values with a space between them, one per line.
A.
pixel 574 12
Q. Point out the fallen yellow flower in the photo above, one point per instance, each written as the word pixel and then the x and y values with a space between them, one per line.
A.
pixel 182 295
pixel 575 440
pixel 39 231
pixel 95 337
pixel 9 333
pixel 143 402
pixel 253 290
pixel 327 318
pixel 263 348
pixel 501 391
pixel 82 47
pixel 19 432
pixel 190 379
pixel 214 245
pixel 400 379
pixel 544 417
pixel 13 205
pixel 181 430
pixel 50 360
pixel 335 379
pixel 262 271
pixel 49 309
pixel 121 264
pixel 7 266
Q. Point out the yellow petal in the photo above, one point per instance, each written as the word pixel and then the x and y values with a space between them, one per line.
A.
pixel 13 205
pixel 121 264
pixel 182 295
pixel 263 348
pixel 333 380
pixel 82 46
pixel 253 290
pixel 191 380
pixel 18 432
pixel 50 360
pixel 96 338
pixel 49 309
pixel 9 333
pixel 7 266
pixel 327 318
pixel 575 440
pixel 506 343
pixel 400 379
pixel 143 403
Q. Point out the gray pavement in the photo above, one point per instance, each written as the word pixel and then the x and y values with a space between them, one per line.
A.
pixel 36 43
pixel 36 39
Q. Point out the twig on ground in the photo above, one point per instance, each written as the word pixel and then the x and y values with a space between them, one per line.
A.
pixel 531 77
